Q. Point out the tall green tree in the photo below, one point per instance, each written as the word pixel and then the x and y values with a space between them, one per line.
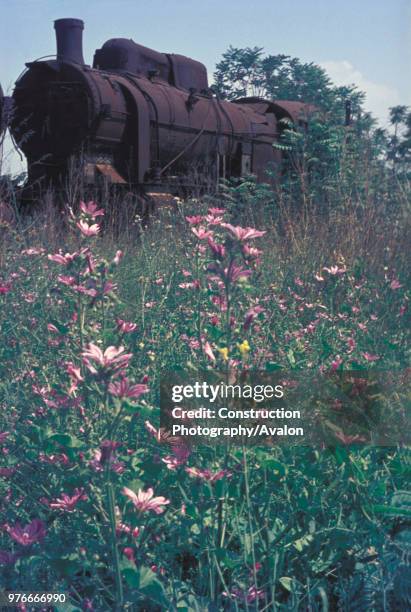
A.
pixel 399 149
pixel 248 72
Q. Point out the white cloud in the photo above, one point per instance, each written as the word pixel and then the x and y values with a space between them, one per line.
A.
pixel 379 97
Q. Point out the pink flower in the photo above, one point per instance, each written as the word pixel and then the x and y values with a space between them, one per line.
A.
pixel 249 596
pixel 161 435
pixel 218 249
pixel 90 208
pixel 216 211
pixel 33 251
pixel 125 326
pixel 108 448
pixel 201 233
pixel 117 257
pixel 243 233
pixel 235 273
pixel 100 460
pixel 112 359
pixel 251 252
pixel 351 344
pixel 29 534
pixel 66 280
pixel 123 528
pixel 123 388
pixel 87 605
pixel 254 594
pixel 179 457
pixel 192 285
pixel 194 220
pixel 152 430
pixel 88 230
pixel 7 558
pixel 6 472
pixel 208 351
pixel 336 363
pixel 395 284
pixel 370 356
pixel 129 553
pixel 54 459
pixel 213 220
pixel 63 260
pixel 67 502
pixel 75 376
pixel 207 474
pixel 334 270
pixel 318 277
pixel 251 314
pixel 73 372
pixel 144 501
pixel 5 288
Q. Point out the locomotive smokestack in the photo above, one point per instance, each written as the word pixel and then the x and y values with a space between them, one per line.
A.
pixel 69 37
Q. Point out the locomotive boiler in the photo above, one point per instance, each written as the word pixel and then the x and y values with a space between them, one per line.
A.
pixel 138 117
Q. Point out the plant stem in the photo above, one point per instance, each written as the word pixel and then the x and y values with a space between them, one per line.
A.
pixel 116 559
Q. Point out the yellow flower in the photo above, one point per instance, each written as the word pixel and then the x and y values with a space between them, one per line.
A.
pixel 141 345
pixel 224 353
pixel 244 347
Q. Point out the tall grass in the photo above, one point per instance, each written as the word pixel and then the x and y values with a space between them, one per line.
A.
pixel 263 528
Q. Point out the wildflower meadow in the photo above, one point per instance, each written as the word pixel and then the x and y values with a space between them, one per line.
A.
pixel 100 503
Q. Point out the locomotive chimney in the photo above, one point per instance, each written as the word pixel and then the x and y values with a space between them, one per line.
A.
pixel 69 37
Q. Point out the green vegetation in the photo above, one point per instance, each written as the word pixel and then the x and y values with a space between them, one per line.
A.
pixel 308 274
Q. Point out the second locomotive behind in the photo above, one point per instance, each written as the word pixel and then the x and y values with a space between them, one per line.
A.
pixel 138 117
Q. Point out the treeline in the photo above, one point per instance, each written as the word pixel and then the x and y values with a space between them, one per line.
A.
pixel 343 155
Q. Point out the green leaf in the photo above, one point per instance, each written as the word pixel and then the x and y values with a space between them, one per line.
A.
pixel 269 463
pixel 303 542
pixel 144 580
pixel 391 510
pixel 147 578
pixel 271 366
pixel 401 499
pixel 65 440
pixel 66 566
pixel 287 583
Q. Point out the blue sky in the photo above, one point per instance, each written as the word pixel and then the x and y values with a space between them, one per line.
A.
pixel 362 41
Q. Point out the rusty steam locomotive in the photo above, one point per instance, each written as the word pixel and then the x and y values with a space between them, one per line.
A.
pixel 138 117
